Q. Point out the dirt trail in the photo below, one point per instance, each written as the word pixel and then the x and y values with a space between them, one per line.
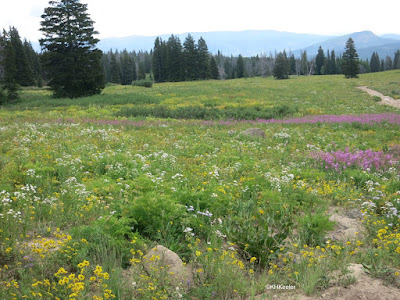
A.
pixel 386 100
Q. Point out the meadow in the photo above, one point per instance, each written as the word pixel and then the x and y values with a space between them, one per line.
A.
pixel 90 185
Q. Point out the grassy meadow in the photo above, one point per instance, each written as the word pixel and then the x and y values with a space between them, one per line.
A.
pixel 88 186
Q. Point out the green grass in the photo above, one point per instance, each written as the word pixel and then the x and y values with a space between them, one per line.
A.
pixel 303 95
pixel 79 195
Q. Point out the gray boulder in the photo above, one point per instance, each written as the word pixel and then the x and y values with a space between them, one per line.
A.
pixel 178 273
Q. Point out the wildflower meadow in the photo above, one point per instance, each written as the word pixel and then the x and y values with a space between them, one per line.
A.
pixel 89 186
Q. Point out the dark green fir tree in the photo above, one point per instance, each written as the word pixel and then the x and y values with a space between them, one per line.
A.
pixel 240 67
pixel 350 66
pixel 319 61
pixel 71 59
pixel 214 68
pixel 281 67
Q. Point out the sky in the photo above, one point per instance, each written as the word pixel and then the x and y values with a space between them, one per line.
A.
pixel 119 18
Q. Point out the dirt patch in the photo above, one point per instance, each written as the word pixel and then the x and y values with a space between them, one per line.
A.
pixel 386 100
pixel 348 225
pixel 365 288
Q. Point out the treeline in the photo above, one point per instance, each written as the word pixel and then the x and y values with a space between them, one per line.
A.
pixel 172 61
pixel 20 65
pixel 125 67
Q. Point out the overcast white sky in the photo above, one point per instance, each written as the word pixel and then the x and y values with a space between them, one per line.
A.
pixel 118 18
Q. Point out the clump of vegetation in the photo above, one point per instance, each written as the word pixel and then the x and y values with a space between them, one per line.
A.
pixel 144 83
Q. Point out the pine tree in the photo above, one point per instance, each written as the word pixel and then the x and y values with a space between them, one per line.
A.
pixel 8 84
pixel 396 60
pixel 159 60
pixel 350 66
pixel 292 65
pixel 319 61
pixel 375 62
pixel 190 58
pixel 126 68
pixel 240 67
pixel 34 63
pixel 174 59
pixel 115 69
pixel 304 63
pixel 203 59
pixel 71 58
pixel 281 67
pixel 24 74
pixel 332 65
pixel 213 68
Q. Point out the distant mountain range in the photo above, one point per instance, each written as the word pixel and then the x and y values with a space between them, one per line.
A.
pixel 259 42
pixel 366 43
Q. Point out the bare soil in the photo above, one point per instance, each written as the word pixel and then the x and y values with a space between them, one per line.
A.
pixel 386 100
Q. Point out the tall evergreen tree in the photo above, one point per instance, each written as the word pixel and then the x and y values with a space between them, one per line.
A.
pixel 304 63
pixel 350 66
pixel 203 59
pixel 213 68
pixel 396 60
pixel 174 59
pixel 8 84
pixel 292 65
pixel 332 65
pixel 126 68
pixel 115 69
pixel 34 63
pixel 281 67
pixel 240 67
pixel 71 57
pixel 190 58
pixel 319 61
pixel 375 62
pixel 159 60
pixel 24 74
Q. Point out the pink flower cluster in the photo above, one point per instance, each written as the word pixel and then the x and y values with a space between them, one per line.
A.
pixel 368 160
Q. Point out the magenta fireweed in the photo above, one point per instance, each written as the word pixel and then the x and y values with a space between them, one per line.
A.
pixel 390 118
pixel 368 160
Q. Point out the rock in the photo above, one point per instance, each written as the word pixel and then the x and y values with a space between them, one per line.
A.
pixel 161 258
pixel 254 132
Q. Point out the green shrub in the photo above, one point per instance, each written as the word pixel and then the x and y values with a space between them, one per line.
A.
pixel 144 83
pixel 313 228
pixel 108 241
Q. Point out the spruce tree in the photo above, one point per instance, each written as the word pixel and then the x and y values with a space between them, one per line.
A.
pixel 319 61
pixel 375 62
pixel 126 68
pixel 159 60
pixel 332 65
pixel 8 69
pixel 281 67
pixel 240 67
pixel 24 74
pixel 396 60
pixel 350 66
pixel 203 59
pixel 115 69
pixel 190 58
pixel 71 58
pixel 213 68
pixel 174 59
